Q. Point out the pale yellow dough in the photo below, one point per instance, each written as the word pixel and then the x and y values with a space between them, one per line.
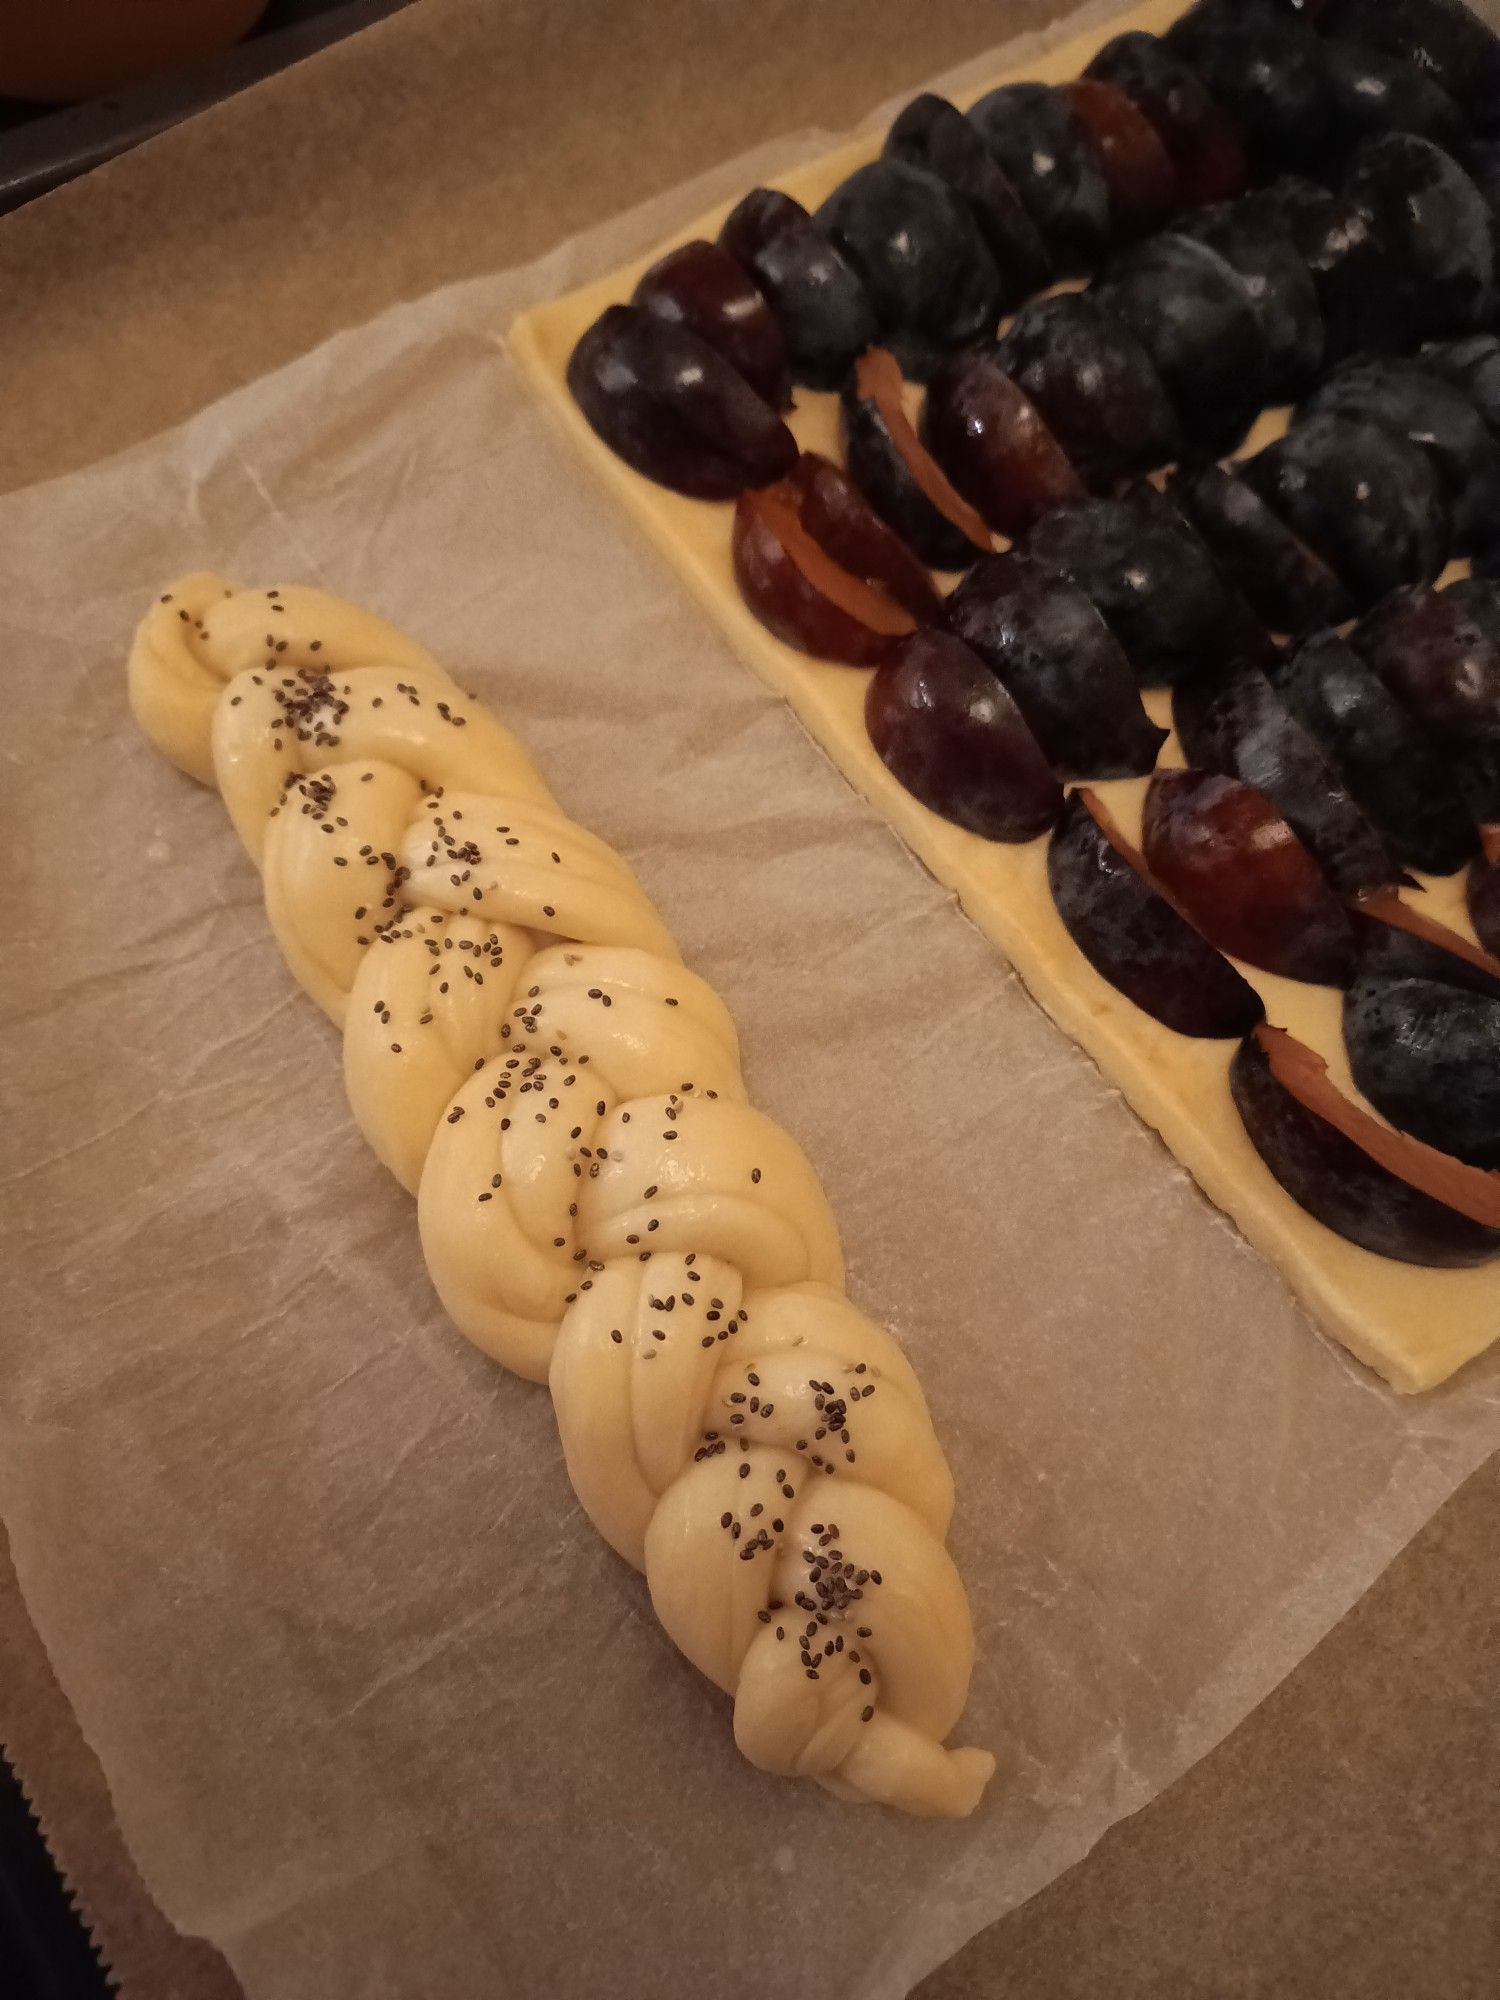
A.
pixel 1414 1326
pixel 598 1204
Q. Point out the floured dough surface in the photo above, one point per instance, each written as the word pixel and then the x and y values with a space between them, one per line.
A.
pixel 1414 1326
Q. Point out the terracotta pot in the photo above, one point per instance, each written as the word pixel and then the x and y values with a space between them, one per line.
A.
pixel 58 50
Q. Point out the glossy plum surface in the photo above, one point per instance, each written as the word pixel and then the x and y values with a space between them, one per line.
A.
pixel 1371 504
pixel 1142 180
pixel 1150 576
pixel 1194 316
pixel 1052 162
pixel 674 409
pixel 800 593
pixel 917 247
pixel 1253 239
pixel 1266 68
pixel 1062 663
pixel 1339 1180
pixel 1239 873
pixel 1284 582
pixel 944 726
pixel 1348 260
pixel 1370 92
pixel 988 436
pixel 1427 1055
pixel 1443 38
pixel 1437 230
pixel 844 524
pixel 699 286
pixel 1394 770
pixel 1133 937
pixel 933 134
pixel 896 473
pixel 1204 144
pixel 826 317
pixel 1411 401
pixel 1095 386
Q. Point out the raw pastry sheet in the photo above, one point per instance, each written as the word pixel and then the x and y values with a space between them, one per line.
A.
pixel 379 1713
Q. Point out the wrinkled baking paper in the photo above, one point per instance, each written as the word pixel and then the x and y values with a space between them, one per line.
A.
pixel 379 1712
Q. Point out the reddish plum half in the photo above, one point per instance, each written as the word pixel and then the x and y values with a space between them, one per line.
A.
pixel 1284 582
pixel 800 593
pixel 934 134
pixel 674 409
pixel 845 526
pixel 1437 657
pixel 988 437
pixel 1380 1189
pixel 826 317
pixel 1142 180
pixel 1096 386
pixel 897 473
pixel 944 726
pixel 1133 937
pixel 1427 1055
pixel 699 286
pixel 1205 145
pixel 1234 867
pixel 1069 676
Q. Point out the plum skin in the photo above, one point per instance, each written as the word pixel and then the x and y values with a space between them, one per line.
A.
pixel 882 474
pixel 987 436
pixel 1286 584
pixel 946 728
pixel 1136 941
pixel 827 320
pixel 701 287
pixel 790 604
pixel 1483 891
pixel 1427 1055
pixel 1095 385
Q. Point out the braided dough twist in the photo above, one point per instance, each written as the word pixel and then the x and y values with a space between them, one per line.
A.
pixel 599 1207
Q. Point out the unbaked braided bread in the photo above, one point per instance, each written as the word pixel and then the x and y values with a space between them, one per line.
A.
pixel 599 1207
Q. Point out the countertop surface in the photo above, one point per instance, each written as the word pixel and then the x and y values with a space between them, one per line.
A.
pixel 1343 1841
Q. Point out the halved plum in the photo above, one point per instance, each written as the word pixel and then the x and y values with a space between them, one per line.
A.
pixel 986 434
pixel 1427 1055
pixel 1142 180
pixel 1095 385
pixel 1070 678
pixel 1370 91
pixel 1349 264
pixel 1396 940
pixel 1266 67
pixel 1204 144
pixel 1439 653
pixel 1133 937
pixel 827 319
pixel 1054 166
pixel 1285 583
pixel 1194 316
pixel 898 475
pixel 1444 38
pixel 1484 892
pixel 1238 872
pixel 699 286
pixel 845 526
pixel 1233 720
pixel 1151 578
pixel 1471 365
pixel 1372 505
pixel 934 134
pixel 1437 229
pixel 1253 239
pixel 1411 401
pixel 800 593
pixel 1380 1189
pixel 674 409
pixel 1394 770
pixel 917 247
pixel 944 725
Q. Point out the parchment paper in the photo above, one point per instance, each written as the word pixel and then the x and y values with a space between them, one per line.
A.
pixel 379 1713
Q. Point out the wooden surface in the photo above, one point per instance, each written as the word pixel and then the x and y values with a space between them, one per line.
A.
pixel 1344 1841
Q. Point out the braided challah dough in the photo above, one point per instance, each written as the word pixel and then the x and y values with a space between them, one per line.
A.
pixel 599 1207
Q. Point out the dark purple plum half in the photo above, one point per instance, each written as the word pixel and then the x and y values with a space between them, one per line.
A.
pixel 1348 261
pixel 1437 229
pixel 1135 939
pixel 1411 401
pixel 1444 38
pixel 917 246
pixel 1370 92
pixel 897 474
pixel 1484 899
pixel 1253 239
pixel 699 286
pixel 826 317
pixel 1194 316
pixel 1051 161
pixel 1380 1189
pixel 988 436
pixel 1266 66
pixel 1096 386
pixel 1393 768
pixel 1068 674
pixel 1234 721
pixel 934 134
pixel 1397 941
pixel 1152 579
pixel 1371 504
pixel 1427 1055
pixel 944 725
pixel 1471 365
pixel 1285 584
pixel 670 406
pixel 1439 653
pixel 1204 143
